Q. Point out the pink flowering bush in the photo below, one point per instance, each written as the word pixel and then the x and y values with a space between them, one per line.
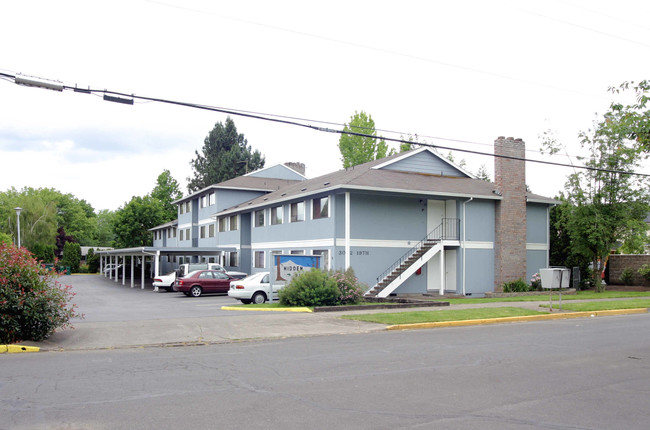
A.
pixel 351 291
pixel 536 282
pixel 32 302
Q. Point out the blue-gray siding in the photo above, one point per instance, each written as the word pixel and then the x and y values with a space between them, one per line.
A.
pixel 425 162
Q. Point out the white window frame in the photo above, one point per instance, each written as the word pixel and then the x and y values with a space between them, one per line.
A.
pixel 320 206
pixel 259 259
pixel 211 229
pixel 263 218
pixel 234 218
pixel 277 210
pixel 223 224
pixel 212 199
pixel 297 205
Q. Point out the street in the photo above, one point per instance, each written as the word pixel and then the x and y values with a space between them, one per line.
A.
pixel 565 374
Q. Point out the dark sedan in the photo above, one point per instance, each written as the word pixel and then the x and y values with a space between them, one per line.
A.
pixel 204 281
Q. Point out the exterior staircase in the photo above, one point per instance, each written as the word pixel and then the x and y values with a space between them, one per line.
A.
pixel 415 258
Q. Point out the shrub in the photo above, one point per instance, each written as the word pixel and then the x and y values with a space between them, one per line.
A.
pixel 626 276
pixel 32 303
pixel 536 282
pixel 92 260
pixel 71 256
pixel 644 271
pixel 518 286
pixel 351 291
pixel 312 288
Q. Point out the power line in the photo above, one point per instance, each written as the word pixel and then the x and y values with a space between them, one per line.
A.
pixel 121 97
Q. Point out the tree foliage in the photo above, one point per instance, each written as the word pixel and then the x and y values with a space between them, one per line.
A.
pixel 357 149
pixel 71 256
pixel 631 121
pixel 166 191
pixel 132 222
pixel 226 154
pixel 608 203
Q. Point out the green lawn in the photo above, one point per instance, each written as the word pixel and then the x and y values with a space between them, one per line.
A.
pixel 437 316
pixel 603 306
pixel 581 295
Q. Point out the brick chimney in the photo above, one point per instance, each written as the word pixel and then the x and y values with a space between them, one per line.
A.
pixel 298 167
pixel 510 217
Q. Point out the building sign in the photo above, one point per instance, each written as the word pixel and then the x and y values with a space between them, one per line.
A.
pixel 288 266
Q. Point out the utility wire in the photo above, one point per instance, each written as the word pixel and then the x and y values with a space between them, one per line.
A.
pixel 281 120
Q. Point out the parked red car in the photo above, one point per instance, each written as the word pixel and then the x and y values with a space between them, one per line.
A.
pixel 204 281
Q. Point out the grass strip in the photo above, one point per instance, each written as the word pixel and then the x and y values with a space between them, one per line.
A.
pixel 393 318
pixel 581 295
pixel 603 306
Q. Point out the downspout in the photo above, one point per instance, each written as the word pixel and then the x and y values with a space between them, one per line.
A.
pixel 463 244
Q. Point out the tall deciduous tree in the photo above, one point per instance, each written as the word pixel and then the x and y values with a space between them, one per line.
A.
pixel 361 149
pixel 226 154
pixel 166 191
pixel 607 206
pixel 132 222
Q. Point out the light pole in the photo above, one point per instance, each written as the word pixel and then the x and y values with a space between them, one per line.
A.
pixel 18 218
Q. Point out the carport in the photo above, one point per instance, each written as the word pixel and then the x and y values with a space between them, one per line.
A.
pixel 118 258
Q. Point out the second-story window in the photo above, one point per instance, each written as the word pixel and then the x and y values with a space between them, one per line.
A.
pixel 188 207
pixel 259 218
pixel 276 215
pixel 212 199
pixel 223 223
pixel 321 208
pixel 233 222
pixel 297 211
pixel 202 232
pixel 211 230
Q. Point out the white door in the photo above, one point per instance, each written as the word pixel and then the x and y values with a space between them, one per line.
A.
pixel 437 210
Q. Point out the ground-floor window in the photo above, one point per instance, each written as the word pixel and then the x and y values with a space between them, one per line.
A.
pixel 324 258
pixel 297 252
pixel 259 260
pixel 233 259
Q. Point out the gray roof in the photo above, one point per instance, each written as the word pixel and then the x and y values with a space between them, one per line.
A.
pixel 252 183
pixel 367 177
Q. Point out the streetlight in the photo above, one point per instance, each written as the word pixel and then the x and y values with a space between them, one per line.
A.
pixel 18 218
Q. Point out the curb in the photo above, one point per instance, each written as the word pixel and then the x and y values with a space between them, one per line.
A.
pixel 504 320
pixel 13 349
pixel 242 308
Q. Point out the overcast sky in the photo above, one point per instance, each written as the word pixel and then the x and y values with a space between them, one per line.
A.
pixel 456 73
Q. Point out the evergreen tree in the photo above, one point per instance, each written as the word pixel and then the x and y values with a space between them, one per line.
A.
pixel 225 155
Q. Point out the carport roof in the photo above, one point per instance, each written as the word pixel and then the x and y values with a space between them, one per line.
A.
pixel 153 250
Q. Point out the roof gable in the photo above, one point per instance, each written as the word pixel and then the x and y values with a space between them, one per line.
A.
pixel 424 161
pixel 278 171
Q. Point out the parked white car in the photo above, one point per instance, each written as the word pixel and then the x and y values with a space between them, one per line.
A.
pixel 111 267
pixel 165 281
pixel 252 289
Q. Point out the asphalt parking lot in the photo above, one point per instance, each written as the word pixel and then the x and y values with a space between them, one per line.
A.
pixel 102 299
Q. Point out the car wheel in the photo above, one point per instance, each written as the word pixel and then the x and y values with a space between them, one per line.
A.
pixel 246 301
pixel 196 291
pixel 258 298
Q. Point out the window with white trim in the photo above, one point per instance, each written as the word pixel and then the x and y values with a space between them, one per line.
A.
pixel 258 262
pixel 202 232
pixel 233 259
pixel 277 215
pixel 259 218
pixel 211 231
pixel 297 252
pixel 181 236
pixel 212 199
pixel 297 211
pixel 223 224
pixel 324 258
pixel 233 223
pixel 187 234
pixel 321 207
